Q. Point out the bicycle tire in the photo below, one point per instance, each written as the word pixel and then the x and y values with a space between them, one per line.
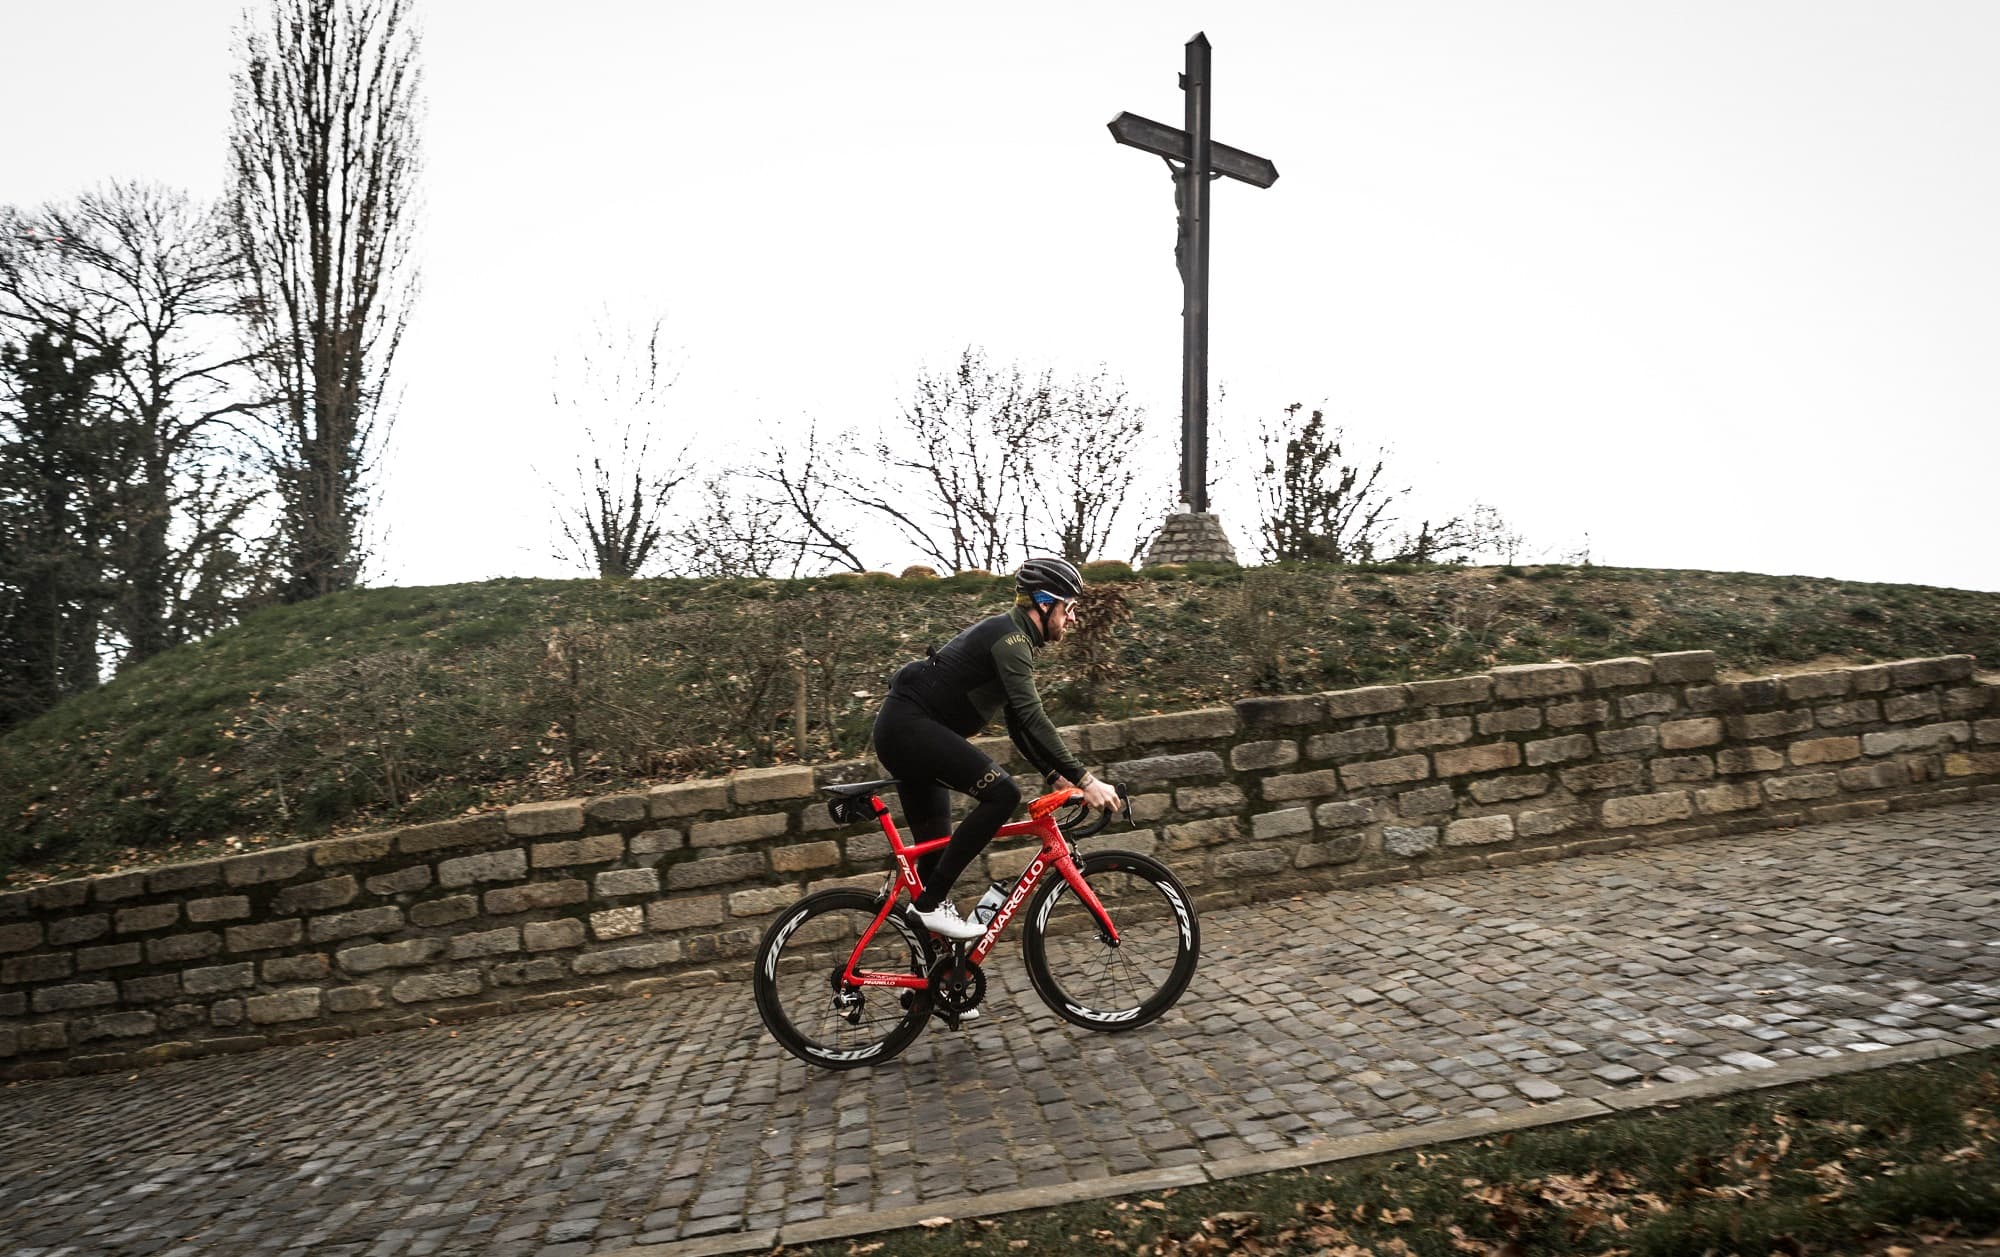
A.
pixel 1061 941
pixel 797 982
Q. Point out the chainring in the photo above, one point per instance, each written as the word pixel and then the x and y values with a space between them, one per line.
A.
pixel 957 987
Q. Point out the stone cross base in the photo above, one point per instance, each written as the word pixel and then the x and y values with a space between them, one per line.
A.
pixel 1191 538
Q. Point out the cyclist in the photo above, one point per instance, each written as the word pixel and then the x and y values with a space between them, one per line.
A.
pixel 936 703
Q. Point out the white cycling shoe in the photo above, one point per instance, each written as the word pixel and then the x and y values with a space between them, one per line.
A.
pixel 945 922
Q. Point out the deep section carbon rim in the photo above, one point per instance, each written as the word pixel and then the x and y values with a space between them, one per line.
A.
pixel 804 1003
pixel 1076 969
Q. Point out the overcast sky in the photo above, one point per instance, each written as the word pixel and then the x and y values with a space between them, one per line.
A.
pixel 1715 285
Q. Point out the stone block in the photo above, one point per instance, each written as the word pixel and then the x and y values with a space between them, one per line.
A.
pixel 628 882
pixel 618 922
pixel 57 896
pixel 805 856
pixel 1646 809
pixel 1537 680
pixel 1281 824
pixel 536 895
pixel 636 956
pixel 1560 749
pixel 1451 691
pixel 1807 686
pixel 1683 666
pixel 1207 833
pixel 1669 769
pixel 1157 769
pixel 264 935
pixel 1871 679
pixel 1934 737
pixel 551 935
pixel 1283 711
pixel 114 1026
pixel 1769 724
pixel 736 829
pixel 1479 831
pixel 265 866
pixel 529 972
pixel 373 957
pixel 220 908
pixel 1342 850
pixel 1841 715
pixel 385 920
pixel 1182 726
pixel 507 865
pixel 1377 772
pixel 1506 789
pixel 1682 735
pixel 687 798
pixel 1146 808
pixel 1374 700
pixel 435 912
pixel 1987 731
pixel 1344 815
pixel 1409 841
pixel 1262 756
pixel 267 1010
pixel 1881 776
pixel 1510 720
pixel 1193 800
pixel 401 882
pixel 660 841
pixel 67 931
pixel 1108 736
pixel 175 878
pixel 1969 701
pixel 152 916
pixel 1748 759
pixel 1426 801
pixel 1642 740
pixel 770 785
pixel 762 900
pixel 1444 731
pixel 1919 706
pixel 601 849
pixel 44 1037
pixel 1490 757
pixel 21 936
pixel 111 957
pixel 1239 862
pixel 1971 763
pixel 310 967
pixel 1615 774
pixel 1584 711
pixel 150 990
pixel 1645 703
pixel 215 979
pixel 47 967
pixel 360 849
pixel 501 942
pixel 543 820
pixel 1824 750
pixel 1611 674
pixel 615 809
pixel 177 948
pixel 1738 796
pixel 352 999
pixel 1909 673
pixel 1808 786
pixel 463 831
pixel 114 887
pixel 1005 865
pixel 227 1012
pixel 422 987
pixel 334 892
pixel 1289 786
pixel 1367 740
pixel 715 870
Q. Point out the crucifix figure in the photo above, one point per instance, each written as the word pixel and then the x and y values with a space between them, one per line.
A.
pixel 1195 160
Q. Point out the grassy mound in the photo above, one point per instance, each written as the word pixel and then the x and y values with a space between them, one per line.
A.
pixel 399 705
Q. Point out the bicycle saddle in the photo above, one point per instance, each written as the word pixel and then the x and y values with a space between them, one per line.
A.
pixel 848 804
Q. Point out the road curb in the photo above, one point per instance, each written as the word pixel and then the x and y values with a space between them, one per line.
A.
pixel 1323 1152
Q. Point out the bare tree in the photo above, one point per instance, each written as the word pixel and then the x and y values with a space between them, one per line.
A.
pixel 148 278
pixel 1076 503
pixel 735 531
pixel 800 486
pixel 614 393
pixel 1315 505
pixel 324 148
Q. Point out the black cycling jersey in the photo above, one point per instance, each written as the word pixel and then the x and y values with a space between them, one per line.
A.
pixel 987 670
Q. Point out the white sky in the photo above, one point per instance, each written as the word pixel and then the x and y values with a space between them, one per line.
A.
pixel 1715 283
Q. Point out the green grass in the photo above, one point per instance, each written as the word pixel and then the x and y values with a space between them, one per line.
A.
pixel 1817 1168
pixel 387 706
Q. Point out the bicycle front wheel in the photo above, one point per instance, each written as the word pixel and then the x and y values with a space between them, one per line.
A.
pixel 807 1007
pixel 1091 981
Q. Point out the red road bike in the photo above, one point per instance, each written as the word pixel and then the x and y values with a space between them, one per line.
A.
pixel 844 980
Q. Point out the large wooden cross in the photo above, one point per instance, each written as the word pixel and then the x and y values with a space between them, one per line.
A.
pixel 1195 160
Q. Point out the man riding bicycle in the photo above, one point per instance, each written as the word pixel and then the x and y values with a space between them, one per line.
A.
pixel 935 704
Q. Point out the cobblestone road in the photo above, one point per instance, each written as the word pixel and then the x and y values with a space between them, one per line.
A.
pixel 575 1130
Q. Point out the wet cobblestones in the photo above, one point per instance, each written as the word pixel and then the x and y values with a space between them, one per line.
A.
pixel 578 1130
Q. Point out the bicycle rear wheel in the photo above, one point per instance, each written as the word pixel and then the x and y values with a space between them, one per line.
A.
pixel 805 1005
pixel 1086 978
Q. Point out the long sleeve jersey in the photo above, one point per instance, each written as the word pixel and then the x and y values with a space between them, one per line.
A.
pixel 985 671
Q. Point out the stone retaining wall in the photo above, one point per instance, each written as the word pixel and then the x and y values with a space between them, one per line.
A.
pixel 632 894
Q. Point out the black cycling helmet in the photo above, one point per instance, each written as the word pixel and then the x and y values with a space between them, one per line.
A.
pixel 1057 577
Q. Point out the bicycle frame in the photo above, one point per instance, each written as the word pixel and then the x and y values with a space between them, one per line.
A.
pixel 1055 853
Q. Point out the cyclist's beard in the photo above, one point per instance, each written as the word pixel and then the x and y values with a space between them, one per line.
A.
pixel 1052 629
